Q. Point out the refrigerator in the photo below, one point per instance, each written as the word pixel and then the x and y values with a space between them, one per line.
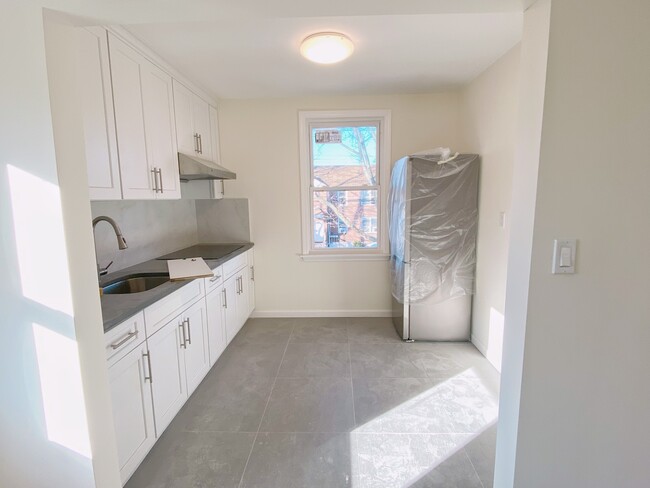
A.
pixel 433 219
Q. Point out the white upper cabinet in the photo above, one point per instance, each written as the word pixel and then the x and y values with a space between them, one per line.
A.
pixel 193 129
pixel 98 119
pixel 160 129
pixel 144 119
pixel 214 133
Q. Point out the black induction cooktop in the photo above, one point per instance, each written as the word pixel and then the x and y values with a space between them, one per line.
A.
pixel 206 251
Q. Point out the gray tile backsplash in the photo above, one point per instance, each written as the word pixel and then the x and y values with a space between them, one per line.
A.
pixel 154 227
pixel 151 229
pixel 224 220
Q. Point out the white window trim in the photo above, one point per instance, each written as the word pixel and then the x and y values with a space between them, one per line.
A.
pixel 305 118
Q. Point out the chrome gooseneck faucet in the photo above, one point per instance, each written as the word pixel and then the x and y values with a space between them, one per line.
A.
pixel 121 241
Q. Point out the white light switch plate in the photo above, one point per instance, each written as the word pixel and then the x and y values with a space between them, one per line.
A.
pixel 564 256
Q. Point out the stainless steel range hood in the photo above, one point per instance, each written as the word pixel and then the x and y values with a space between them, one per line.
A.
pixel 193 168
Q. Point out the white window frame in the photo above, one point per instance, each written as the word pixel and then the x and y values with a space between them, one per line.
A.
pixel 334 117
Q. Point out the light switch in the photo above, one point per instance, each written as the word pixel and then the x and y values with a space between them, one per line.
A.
pixel 564 256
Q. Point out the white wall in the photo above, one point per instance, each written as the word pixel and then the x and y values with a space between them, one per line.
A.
pixel 259 140
pixel 55 420
pixel 489 107
pixel 585 398
pixel 533 50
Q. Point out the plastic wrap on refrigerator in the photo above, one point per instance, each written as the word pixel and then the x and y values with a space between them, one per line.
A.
pixel 432 227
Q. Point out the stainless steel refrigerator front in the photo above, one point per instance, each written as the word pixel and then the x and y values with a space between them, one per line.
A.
pixel 424 202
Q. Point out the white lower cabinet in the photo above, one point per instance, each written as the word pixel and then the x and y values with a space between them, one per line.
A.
pixel 230 306
pixel 251 281
pixel 216 324
pixel 152 378
pixel 197 359
pixel 129 378
pixel 168 381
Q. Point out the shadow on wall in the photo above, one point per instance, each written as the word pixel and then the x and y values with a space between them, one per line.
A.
pixel 44 411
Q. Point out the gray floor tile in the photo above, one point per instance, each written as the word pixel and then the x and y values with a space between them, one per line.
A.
pixel 282 460
pixel 481 451
pixel 310 405
pixel 194 459
pixel 251 359
pixel 372 331
pixel 305 360
pixel 383 361
pixel 455 405
pixel 226 403
pixel 320 331
pixel 414 460
pixel 257 332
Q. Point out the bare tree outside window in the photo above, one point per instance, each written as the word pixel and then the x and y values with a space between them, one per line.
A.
pixel 344 196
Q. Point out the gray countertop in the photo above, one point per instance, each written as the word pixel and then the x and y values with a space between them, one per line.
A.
pixel 117 308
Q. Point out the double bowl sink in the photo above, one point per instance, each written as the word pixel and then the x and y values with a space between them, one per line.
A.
pixel 135 283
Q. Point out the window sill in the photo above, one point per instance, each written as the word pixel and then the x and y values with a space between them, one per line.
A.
pixel 344 257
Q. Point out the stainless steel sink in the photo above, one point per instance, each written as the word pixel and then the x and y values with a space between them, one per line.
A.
pixel 135 283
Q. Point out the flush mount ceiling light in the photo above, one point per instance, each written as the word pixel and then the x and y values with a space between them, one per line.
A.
pixel 326 47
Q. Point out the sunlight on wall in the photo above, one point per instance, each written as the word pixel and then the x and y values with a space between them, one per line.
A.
pixel 495 339
pixel 454 412
pixel 38 226
pixel 63 400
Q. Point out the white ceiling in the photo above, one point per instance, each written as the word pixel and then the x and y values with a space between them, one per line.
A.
pixel 259 57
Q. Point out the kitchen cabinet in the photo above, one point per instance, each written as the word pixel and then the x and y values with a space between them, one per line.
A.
pixel 145 125
pixel 197 359
pixel 193 128
pixel 231 318
pixel 243 303
pixel 168 380
pixel 215 304
pixel 133 416
pixel 96 94
pixel 251 281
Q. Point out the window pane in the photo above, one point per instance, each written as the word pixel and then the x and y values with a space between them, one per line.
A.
pixel 344 156
pixel 342 219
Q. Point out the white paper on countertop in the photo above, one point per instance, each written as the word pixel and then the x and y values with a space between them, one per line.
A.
pixel 188 269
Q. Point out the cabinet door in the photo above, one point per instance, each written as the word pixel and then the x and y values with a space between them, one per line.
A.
pixel 197 359
pixel 216 324
pixel 243 305
pixel 136 175
pixel 160 133
pixel 185 134
pixel 132 409
pixel 98 118
pixel 201 115
pixel 251 282
pixel 168 383
pixel 230 307
pixel 214 133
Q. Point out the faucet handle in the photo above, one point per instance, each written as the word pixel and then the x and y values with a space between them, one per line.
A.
pixel 104 271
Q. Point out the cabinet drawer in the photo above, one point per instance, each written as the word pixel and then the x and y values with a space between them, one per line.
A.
pixel 162 311
pixel 234 265
pixel 124 337
pixel 214 282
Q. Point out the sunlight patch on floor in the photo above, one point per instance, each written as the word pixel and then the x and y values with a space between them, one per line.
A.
pixel 411 440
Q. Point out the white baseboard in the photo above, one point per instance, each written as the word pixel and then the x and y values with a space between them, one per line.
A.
pixel 479 345
pixel 266 314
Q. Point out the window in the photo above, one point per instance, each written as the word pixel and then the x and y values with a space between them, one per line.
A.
pixel 344 176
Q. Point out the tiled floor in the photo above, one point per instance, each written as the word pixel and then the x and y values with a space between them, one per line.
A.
pixel 332 403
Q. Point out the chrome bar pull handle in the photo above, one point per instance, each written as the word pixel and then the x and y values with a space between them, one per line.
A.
pixel 225 298
pixel 196 142
pixel 148 356
pixel 125 339
pixel 200 145
pixel 252 273
pixel 189 330
pixel 161 180
pixel 184 343
pixel 215 278
pixel 155 179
